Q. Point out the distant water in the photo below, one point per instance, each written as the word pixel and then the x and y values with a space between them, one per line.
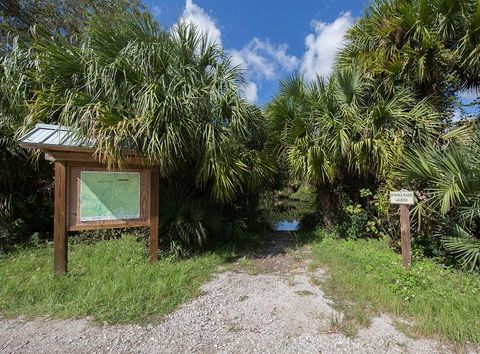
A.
pixel 287 225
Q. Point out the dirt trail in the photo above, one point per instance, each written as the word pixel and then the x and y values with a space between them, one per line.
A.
pixel 267 303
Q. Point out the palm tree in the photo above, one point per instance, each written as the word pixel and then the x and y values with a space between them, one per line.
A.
pixel 431 44
pixel 347 124
pixel 348 130
pixel 171 95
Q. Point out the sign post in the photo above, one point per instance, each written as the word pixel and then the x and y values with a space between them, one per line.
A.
pixel 404 198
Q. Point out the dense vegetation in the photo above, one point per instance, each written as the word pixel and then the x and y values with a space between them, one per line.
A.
pixel 381 121
pixel 172 96
pixel 346 133
pixel 384 120
pixel 26 190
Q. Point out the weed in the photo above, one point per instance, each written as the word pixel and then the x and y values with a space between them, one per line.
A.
pixel 243 298
pixel 334 323
pixel 314 280
pixel 366 277
pixel 304 293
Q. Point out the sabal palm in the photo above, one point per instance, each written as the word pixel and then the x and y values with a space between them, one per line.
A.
pixel 13 94
pixel 171 95
pixel 450 179
pixel 418 41
pixel 346 126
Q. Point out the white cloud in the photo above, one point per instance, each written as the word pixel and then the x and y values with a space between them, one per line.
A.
pixel 468 96
pixel 260 59
pixel 156 10
pixel 323 45
pixel 277 52
pixel 250 91
pixel 263 60
pixel 192 13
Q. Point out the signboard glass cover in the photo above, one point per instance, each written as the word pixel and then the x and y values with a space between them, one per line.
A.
pixel 109 195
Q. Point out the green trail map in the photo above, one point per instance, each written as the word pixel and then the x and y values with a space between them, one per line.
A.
pixel 109 195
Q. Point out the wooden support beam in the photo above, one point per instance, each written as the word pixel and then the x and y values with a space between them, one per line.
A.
pixel 154 211
pixel 89 157
pixel 405 235
pixel 59 229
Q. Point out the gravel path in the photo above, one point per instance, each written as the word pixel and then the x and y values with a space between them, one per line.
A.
pixel 277 311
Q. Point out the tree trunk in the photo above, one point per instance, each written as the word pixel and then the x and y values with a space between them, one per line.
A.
pixel 328 204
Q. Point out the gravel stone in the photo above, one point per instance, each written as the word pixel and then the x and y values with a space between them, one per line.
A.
pixel 278 312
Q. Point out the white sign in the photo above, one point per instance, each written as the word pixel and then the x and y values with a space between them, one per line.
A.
pixel 402 197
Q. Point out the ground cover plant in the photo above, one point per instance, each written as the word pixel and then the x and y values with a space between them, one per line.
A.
pixel 366 277
pixel 447 184
pixel 108 281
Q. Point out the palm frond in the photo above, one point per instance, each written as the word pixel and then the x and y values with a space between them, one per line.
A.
pixel 464 247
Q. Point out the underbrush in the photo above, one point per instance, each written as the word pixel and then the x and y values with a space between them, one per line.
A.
pixel 108 281
pixel 366 277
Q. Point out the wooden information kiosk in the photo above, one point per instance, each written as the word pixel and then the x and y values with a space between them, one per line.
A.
pixel 89 196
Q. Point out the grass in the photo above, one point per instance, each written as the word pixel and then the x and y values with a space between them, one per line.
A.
pixel 112 281
pixel 366 278
pixel 108 281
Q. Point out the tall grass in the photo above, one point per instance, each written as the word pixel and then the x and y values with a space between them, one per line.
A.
pixel 366 277
pixel 109 281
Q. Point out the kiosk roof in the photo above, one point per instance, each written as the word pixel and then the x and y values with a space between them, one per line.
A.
pixel 54 137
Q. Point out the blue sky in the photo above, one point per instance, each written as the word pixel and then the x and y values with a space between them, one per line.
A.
pixel 269 39
pixel 272 39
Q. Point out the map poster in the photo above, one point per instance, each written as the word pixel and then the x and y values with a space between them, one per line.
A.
pixel 109 195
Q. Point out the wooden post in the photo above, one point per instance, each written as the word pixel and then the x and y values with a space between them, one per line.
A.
pixel 59 233
pixel 154 210
pixel 405 235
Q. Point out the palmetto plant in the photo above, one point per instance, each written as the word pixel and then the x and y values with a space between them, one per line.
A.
pixel 346 131
pixel 170 95
pixel 433 44
pixel 347 125
pixel 450 179
pixel 187 218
